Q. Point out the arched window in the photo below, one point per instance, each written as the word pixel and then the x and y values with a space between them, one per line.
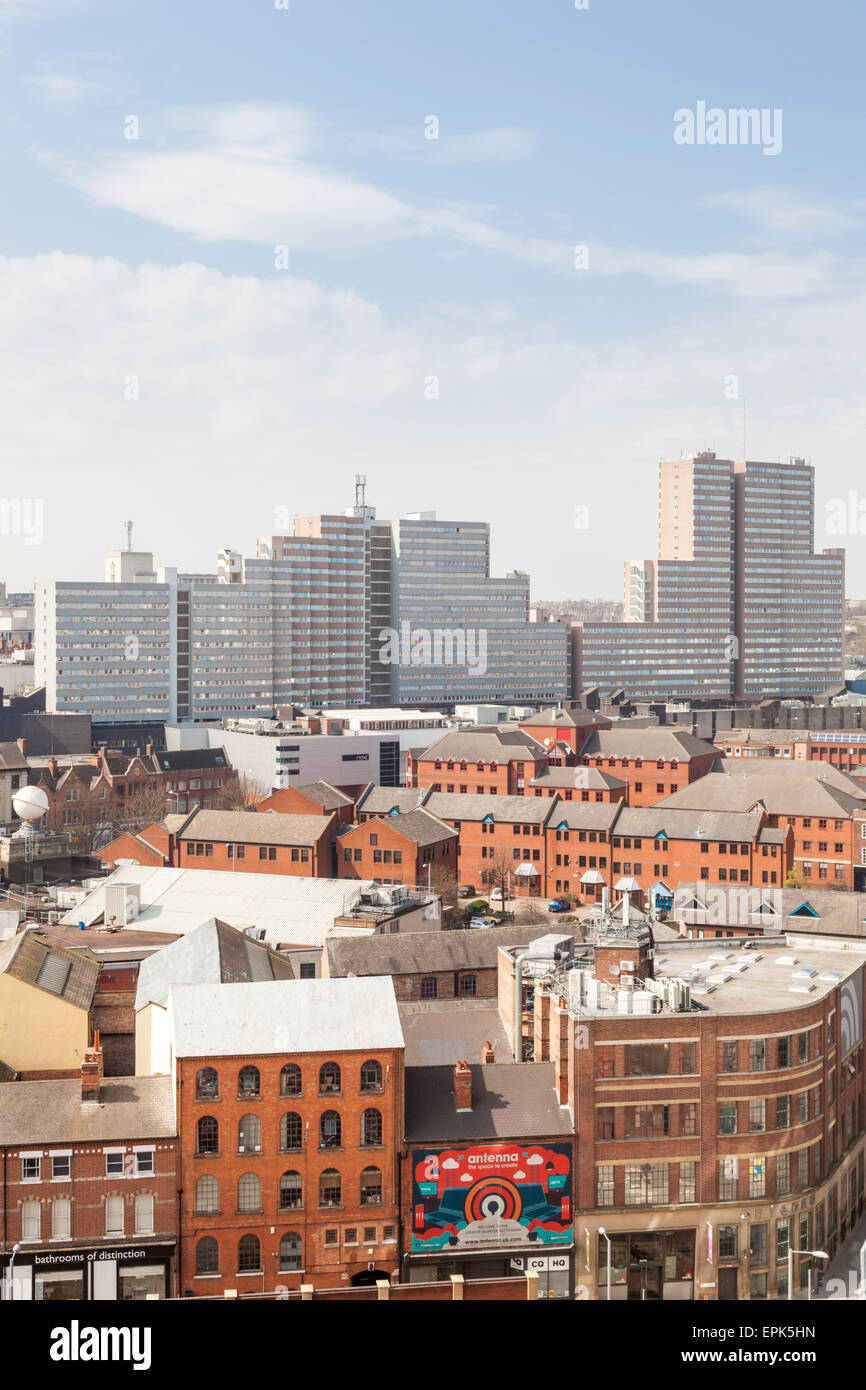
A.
pixel 249 1254
pixel 290 1080
pixel 207 1136
pixel 371 1076
pixel 330 1130
pixel 249 1134
pixel 430 985
pixel 249 1082
pixel 207 1194
pixel 329 1079
pixel 290 1251
pixel 371 1127
pixel 31 1220
pixel 207 1256
pixel 207 1084
pixel 291 1190
pixel 249 1192
pixel 371 1187
pixel 291 1131
pixel 330 1188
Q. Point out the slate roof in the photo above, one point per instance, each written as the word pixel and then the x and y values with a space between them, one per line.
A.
pixel 483 744
pixel 567 719
pixel 68 975
pixel 792 789
pixel 585 778
pixel 424 953
pixel 687 825
pixel 467 806
pixel 583 815
pixel 838 913
pixel 440 1032
pixel 328 797
pixel 11 758
pixel 212 953
pixel 420 827
pixel 381 801
pixel 51 1112
pixel 508 1102
pixel 190 759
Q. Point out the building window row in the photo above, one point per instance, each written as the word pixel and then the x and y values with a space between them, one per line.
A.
pixel 61 1217
pixel 293 1132
pixel 249 1086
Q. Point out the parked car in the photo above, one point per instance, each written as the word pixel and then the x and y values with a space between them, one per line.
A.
pixel 466 890
pixel 558 905
pixel 482 923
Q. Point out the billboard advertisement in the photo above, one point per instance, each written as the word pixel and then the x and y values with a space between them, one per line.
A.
pixel 491 1196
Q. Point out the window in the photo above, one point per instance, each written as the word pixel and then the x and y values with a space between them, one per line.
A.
pixel 758 1244
pixel 291 1190
pixel 783 1112
pixel 308 970
pixel 249 1192
pixel 31 1220
pixel 207 1256
pixel 783 1173
pixel 757 1178
pixel 605 1122
pixel 114 1216
pixel 114 1163
pixel 757 1116
pixel 604 1061
pixel 144 1214
pixel 330 1130
pixel 784 1052
pixel 606 1185
pixel 329 1079
pixel 729 1056
pixel 249 1082
pixel 728 1117
pixel 290 1080
pixel 330 1188
pixel 249 1255
pixel 802 1047
pixel 729 1175
pixel 290 1251
pixel 688 1058
pixel 758 1054
pixel 207 1136
pixel 207 1194
pixel 31 1168
pixel 468 986
pixel 728 1243
pixel 645 1183
pixel 61 1219
pixel 144 1163
pixel 430 988
pixel 371 1128
pixel 207 1086
pixel 331 1237
pixel 371 1076
pixel 647 1059
pixel 688 1182
pixel 61 1165
pixel 371 1187
pixel 249 1134
pixel 291 1131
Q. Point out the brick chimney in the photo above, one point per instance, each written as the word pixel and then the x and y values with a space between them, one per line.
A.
pixel 53 765
pixel 463 1086
pixel 22 744
pixel 488 1053
pixel 91 1072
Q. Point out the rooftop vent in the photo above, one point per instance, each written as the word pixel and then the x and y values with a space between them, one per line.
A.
pixel 787 960
pixel 801 987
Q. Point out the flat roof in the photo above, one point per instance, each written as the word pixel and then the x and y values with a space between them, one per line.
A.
pixel 441 1032
pixel 780 973
pixel 508 1102
pixel 51 1112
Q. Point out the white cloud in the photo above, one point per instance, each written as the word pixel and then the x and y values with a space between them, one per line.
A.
pixel 786 213
pixel 497 145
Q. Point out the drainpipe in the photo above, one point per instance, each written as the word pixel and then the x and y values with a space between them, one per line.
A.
pixel 518 992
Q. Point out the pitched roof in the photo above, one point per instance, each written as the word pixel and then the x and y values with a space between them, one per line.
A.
pixel 584 778
pixel 32 959
pixel 582 815
pixel 328 797
pixel 647 743
pixel 465 806
pixel 249 827
pixel 686 824
pixel 813 911
pixel 50 1112
pixel 419 826
pixel 421 953
pixel 213 953
pixel 12 759
pixel 794 789
pixel 381 801
pixel 217 1020
pixel 566 719
pixel 508 1102
pixel 483 744
pixel 190 759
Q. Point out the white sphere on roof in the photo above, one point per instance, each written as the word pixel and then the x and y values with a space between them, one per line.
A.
pixel 30 803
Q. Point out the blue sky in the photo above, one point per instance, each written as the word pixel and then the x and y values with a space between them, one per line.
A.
pixel 255 388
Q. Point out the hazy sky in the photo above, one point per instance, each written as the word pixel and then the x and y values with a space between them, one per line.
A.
pixel 160 361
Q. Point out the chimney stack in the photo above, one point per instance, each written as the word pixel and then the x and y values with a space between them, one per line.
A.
pixel 488 1053
pixel 463 1086
pixel 22 744
pixel 91 1072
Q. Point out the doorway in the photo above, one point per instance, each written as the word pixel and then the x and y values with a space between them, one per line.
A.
pixel 645 1282
pixel 728 1283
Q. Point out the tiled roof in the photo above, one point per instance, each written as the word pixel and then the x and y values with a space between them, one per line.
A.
pixel 648 744
pixel 465 806
pixel 328 797
pixel 797 789
pixel 419 826
pixel 687 825
pixel 69 975
pixel 584 778
pixel 381 801
pixel 508 1102
pixel 51 1112
pixel 566 719
pixel 11 758
pixel 444 1031
pixel 190 759
pixel 251 827
pixel 414 953
pixel 483 745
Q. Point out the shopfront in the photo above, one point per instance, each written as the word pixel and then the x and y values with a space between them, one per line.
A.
pixel 70 1274
pixel 648 1266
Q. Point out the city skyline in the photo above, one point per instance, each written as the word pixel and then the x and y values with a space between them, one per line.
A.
pixel 491 267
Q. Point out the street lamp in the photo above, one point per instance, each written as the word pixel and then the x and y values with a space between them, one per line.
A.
pixel 816 1254
pixel 603 1232
pixel 15 1248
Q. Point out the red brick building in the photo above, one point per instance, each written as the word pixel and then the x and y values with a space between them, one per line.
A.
pixel 578 784
pixel 317 799
pixel 844 749
pixel 481 762
pixel 407 848
pixel 90 1194
pixel 565 730
pixel 254 842
pixel 290 1106
pixel 655 762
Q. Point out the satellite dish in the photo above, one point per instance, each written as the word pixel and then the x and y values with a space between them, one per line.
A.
pixel 30 803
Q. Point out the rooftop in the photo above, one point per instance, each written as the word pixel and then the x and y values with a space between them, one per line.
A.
pixel 227 1020
pixel 213 953
pixel 486 743
pixel 584 778
pixel 785 788
pixel 468 806
pixel 51 1112
pixel 648 743
pixel 383 801
pixel 34 960
pixel 424 952
pixel 441 1032
pixel 508 1102
pixel 248 827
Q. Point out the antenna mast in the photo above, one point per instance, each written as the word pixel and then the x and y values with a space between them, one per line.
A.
pixel 128 525
pixel 360 488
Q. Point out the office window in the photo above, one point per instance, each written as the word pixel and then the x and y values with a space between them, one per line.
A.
pixel 758 1243
pixel 330 1079
pixel 371 1128
pixel 645 1184
pixel 757 1178
pixel 606 1185
pixel 728 1243
pixel 249 1134
pixel 206 1084
pixel 330 1130
pixel 371 1076
pixel 688 1182
pixel 330 1188
pixel 729 1057
pixel 728 1117
pixel 249 1082
pixel 783 1112
pixel 757 1116
pixel 604 1121
pixel 758 1053
pixel 290 1080
pixel 783 1173
pixel 291 1248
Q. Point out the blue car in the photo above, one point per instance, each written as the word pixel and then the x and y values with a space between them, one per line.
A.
pixel 557 906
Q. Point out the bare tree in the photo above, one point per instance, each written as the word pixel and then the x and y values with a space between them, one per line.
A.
pixel 242 793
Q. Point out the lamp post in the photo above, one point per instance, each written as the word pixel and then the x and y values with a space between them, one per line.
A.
pixel 603 1232
pixel 861 1291
pixel 15 1248
pixel 815 1254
